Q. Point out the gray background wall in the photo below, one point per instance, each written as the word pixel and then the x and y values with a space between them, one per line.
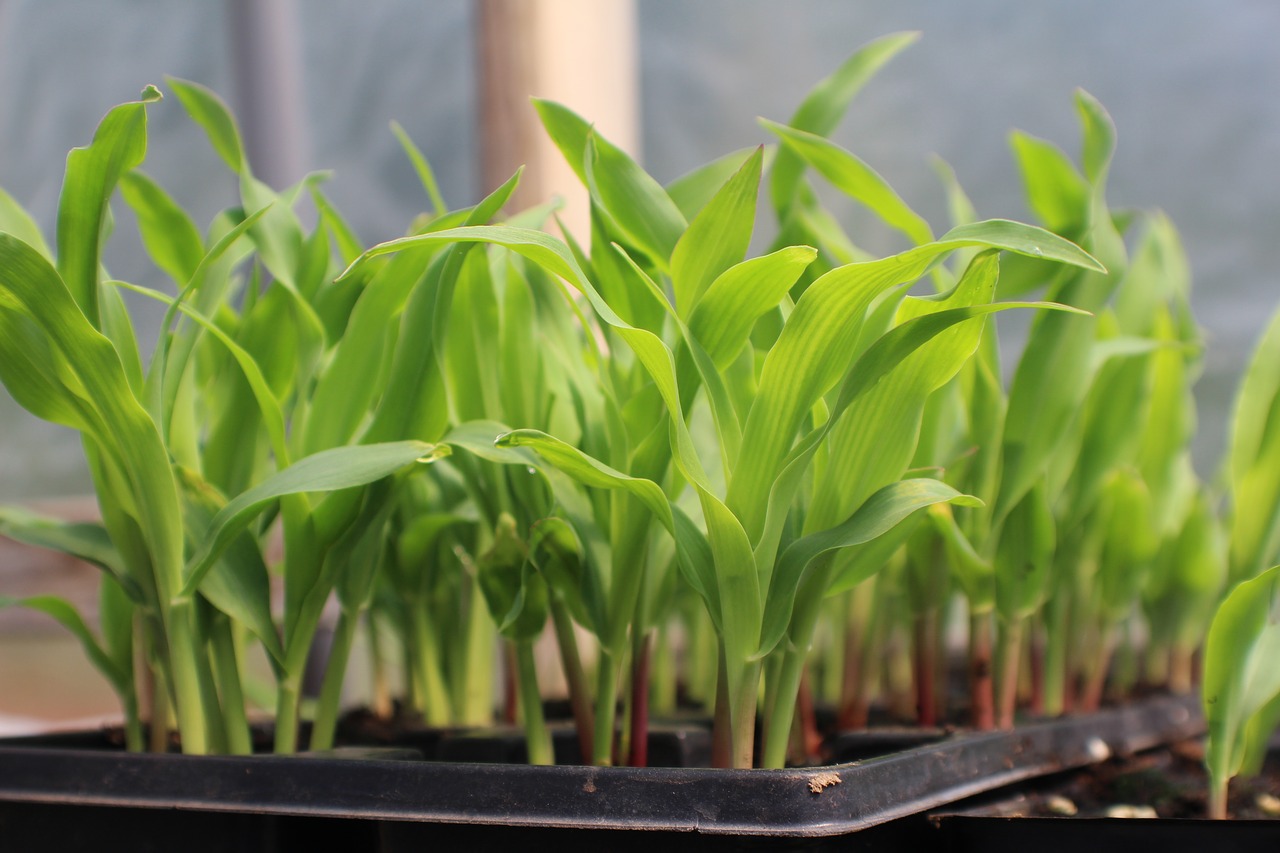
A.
pixel 1192 85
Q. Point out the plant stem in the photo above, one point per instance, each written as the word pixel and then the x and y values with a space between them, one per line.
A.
pixel 1091 695
pixel 1181 669
pixel 639 753
pixel 606 709
pixel 981 684
pixel 434 699
pixel 721 726
pixel 537 737
pixel 742 716
pixel 326 722
pixel 780 713
pixel 852 710
pixel 289 689
pixel 575 677
pixel 810 738
pixel 1007 653
pixel 160 711
pixel 476 699
pixel 1218 799
pixel 185 668
pixel 382 705
pixel 227 663
pixel 925 665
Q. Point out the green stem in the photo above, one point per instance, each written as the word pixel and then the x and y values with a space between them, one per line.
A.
pixel 330 701
pixel 571 661
pixel 606 709
pixel 288 696
pixel 742 715
pixel 227 672
pixel 1008 650
pixel 434 697
pixel 536 734
pixel 476 698
pixel 383 707
pixel 160 711
pixel 289 690
pixel 186 665
pixel 780 714
pixel 721 726
pixel 1057 623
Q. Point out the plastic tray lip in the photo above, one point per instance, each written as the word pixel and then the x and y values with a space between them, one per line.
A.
pixel 797 802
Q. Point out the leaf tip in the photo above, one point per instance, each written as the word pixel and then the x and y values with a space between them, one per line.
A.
pixel 150 94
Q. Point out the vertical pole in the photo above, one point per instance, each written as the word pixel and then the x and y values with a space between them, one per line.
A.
pixel 266 60
pixel 581 53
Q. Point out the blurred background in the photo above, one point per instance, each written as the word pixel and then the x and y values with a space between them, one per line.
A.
pixel 1191 85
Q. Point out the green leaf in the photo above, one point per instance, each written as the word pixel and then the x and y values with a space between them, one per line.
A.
pixel 824 106
pixel 119 144
pixel 879 514
pixel 171 238
pixel 83 540
pixel 854 178
pixel 211 113
pixel 636 203
pixel 423 168
pixel 1254 459
pixel 57 366
pixel 692 191
pixel 728 311
pixel 820 340
pixel 1240 675
pixel 237 582
pixel 326 471
pixel 1056 192
pixel 717 238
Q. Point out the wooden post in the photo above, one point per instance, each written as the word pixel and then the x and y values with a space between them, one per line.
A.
pixel 581 53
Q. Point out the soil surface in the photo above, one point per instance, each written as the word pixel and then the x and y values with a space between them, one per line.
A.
pixel 1171 781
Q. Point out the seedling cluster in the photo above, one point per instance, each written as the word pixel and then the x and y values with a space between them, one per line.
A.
pixel 732 478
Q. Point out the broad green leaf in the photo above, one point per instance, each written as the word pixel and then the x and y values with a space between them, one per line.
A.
pixel 692 191
pixel 824 106
pixel 1024 554
pixel 879 514
pixel 60 368
pixel 268 402
pixel 717 238
pixel 636 203
pixel 237 582
pixel 326 471
pixel 1254 459
pixel 209 111
pixel 119 144
pixel 1056 191
pixel 820 338
pixel 171 238
pixel 1240 675
pixel 875 440
pixel 724 317
pixel 854 178
pixel 83 540
pixel 695 552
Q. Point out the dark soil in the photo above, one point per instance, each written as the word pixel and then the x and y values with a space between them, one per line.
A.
pixel 1171 781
